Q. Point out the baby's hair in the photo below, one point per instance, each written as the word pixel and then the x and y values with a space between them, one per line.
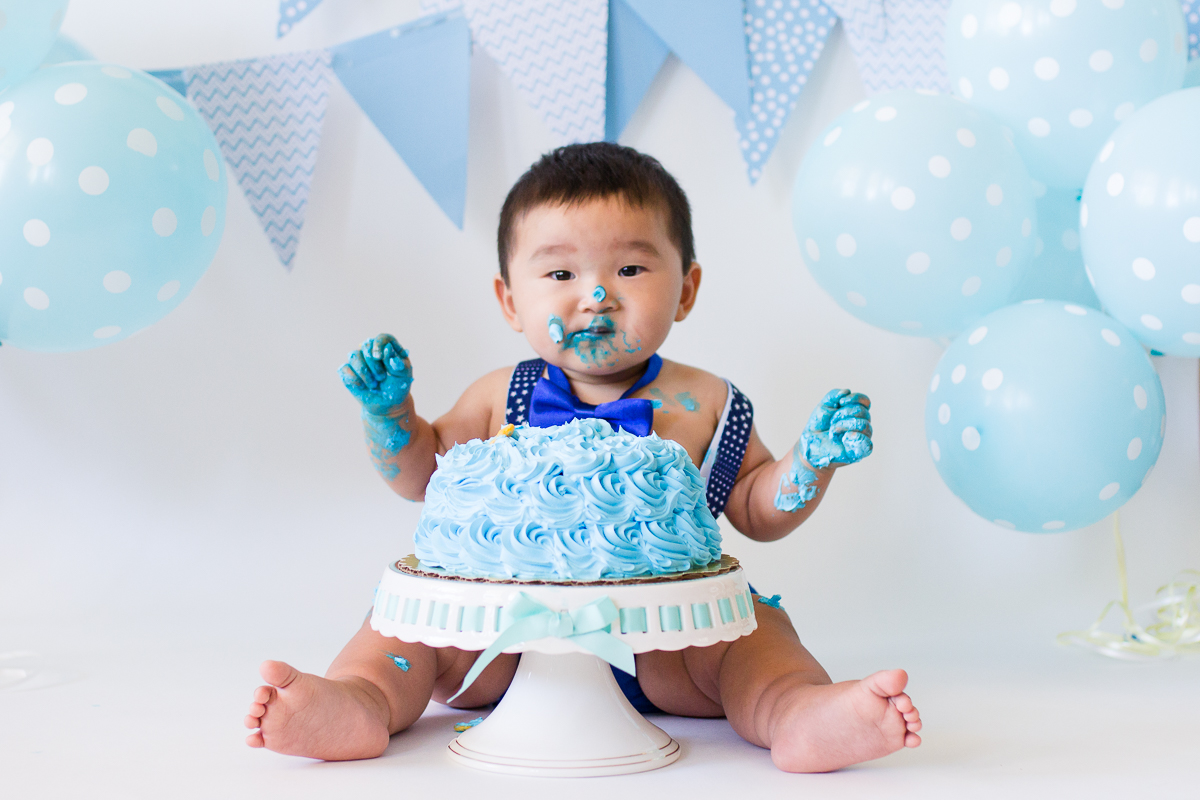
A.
pixel 578 173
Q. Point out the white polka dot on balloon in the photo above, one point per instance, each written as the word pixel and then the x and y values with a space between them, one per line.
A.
pixel 992 379
pixel 810 247
pixel 959 372
pixel 1053 525
pixel 36 232
pixel 169 107
pixel 1148 51
pixel 977 335
pixel 965 137
pixel 917 263
pixel 107 332
pixel 70 93
pixel 1191 229
pixel 960 229
pixel 1191 337
pixel 40 152
pixel 994 194
pixel 117 281
pixel 1106 151
pixel 1046 68
pixel 1009 15
pixel 93 180
pixel 1110 337
pixel 211 167
pixel 939 166
pixel 1134 449
pixel 846 246
pixel 142 141
pixel 935 450
pixel 856 298
pixel 1083 215
pixel 1143 268
pixel 1191 293
pixel 1070 240
pixel 1139 398
pixel 208 221
pixel 1080 118
pixel 943 413
pixel 36 299
pixel 1003 523
pixel 933 384
pixel 1122 112
pixel 1003 256
pixel 1062 8
pixel 971 438
pixel 965 88
pixel 1152 322
pixel 885 114
pixel 998 78
pixel 1100 60
pixel 903 198
pixel 1115 184
pixel 969 26
pixel 1026 227
pixel 164 222
pixel 971 285
pixel 1113 4
pixel 1110 491
pixel 1038 127
pixel 168 290
pixel 1078 311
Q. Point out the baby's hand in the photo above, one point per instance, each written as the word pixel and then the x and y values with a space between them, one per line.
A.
pixel 839 430
pixel 379 374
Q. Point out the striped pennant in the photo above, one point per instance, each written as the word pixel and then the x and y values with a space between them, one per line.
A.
pixel 898 43
pixel 291 12
pixel 266 114
pixel 555 52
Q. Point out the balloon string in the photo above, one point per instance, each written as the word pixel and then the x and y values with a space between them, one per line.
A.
pixel 1176 611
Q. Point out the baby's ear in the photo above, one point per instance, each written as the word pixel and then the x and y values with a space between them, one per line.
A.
pixel 504 296
pixel 687 298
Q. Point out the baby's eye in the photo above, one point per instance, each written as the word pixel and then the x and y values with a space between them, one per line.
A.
pixel 630 271
pixel 561 275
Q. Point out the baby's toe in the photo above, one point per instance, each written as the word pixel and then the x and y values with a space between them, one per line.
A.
pixel 257 710
pixel 903 703
pixel 255 740
pixel 912 740
pixel 912 726
pixel 264 694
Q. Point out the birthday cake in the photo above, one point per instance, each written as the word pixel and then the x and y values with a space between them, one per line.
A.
pixel 576 502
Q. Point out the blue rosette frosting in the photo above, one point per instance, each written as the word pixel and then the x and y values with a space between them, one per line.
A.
pixel 574 502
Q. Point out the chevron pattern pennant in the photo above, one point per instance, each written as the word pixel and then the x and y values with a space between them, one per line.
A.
pixel 440 6
pixel 266 114
pixel 784 39
pixel 910 54
pixel 555 52
pixel 291 12
pixel 1191 15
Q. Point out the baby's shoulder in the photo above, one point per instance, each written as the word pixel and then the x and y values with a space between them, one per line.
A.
pixel 683 383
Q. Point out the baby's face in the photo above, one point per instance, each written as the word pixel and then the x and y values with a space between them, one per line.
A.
pixel 595 287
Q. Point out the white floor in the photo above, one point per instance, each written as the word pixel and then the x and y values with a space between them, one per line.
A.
pixel 156 713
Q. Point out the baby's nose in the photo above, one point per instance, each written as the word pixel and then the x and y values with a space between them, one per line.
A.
pixel 599 300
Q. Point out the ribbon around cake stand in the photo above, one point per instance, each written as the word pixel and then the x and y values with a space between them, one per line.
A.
pixel 589 627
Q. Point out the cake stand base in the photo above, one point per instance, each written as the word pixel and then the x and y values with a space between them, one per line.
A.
pixel 564 716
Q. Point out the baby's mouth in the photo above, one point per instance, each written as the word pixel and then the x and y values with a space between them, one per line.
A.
pixel 600 328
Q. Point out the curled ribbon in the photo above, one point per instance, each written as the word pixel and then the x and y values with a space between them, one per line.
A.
pixel 1175 632
pixel 590 627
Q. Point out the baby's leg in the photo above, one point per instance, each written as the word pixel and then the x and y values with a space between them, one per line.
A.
pixel 376 686
pixel 776 695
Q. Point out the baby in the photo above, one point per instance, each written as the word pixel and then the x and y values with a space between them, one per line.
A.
pixel 596 263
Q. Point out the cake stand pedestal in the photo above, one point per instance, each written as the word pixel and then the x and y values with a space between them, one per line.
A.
pixel 564 714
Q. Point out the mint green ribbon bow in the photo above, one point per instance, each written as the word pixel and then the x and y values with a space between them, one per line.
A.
pixel 590 627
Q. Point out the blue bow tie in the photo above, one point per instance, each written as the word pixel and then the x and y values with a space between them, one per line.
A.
pixel 554 404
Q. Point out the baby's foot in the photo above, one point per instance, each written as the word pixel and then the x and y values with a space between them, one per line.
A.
pixel 823 728
pixel 304 715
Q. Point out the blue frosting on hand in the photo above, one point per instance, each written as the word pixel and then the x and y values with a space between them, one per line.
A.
pixel 839 430
pixel 573 502
pixel 797 486
pixel 378 374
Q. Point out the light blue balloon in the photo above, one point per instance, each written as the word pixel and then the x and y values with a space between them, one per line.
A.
pixel 1141 214
pixel 915 213
pixel 66 49
pixel 1192 76
pixel 1061 74
pixel 27 30
pixel 1046 416
pixel 112 203
pixel 1057 271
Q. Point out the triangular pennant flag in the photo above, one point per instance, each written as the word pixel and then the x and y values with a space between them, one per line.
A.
pixel 555 52
pixel 783 46
pixel 439 6
pixel 291 12
pixel 413 82
pixel 1191 13
pixel 635 55
pixel 909 54
pixel 708 36
pixel 266 114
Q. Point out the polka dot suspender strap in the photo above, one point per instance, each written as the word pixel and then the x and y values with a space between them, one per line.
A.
pixel 520 390
pixel 735 436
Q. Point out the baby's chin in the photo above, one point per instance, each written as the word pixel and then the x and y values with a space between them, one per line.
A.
pixel 594 358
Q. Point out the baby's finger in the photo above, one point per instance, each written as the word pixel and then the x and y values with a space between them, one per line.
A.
pixel 851 412
pixel 351 379
pixel 820 418
pixel 374 364
pixel 857 398
pixel 858 445
pixel 380 343
pixel 359 365
pixel 851 426
pixel 834 397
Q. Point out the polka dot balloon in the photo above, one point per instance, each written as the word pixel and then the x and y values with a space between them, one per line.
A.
pixel 1062 73
pixel 1141 224
pixel 1057 271
pixel 1044 416
pixel 28 29
pixel 915 213
pixel 112 203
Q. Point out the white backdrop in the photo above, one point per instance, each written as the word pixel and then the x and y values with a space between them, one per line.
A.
pixel 178 506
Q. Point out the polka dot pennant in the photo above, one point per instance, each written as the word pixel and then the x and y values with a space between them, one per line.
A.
pixel 114 212
pixel 291 12
pixel 1045 416
pixel 1191 15
pixel 784 39
pixel 1140 236
pixel 1060 74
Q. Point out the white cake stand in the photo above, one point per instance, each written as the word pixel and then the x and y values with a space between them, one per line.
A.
pixel 564 714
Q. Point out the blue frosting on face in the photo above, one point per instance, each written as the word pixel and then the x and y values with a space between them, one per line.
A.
pixel 574 502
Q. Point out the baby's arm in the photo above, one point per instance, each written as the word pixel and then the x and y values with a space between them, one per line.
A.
pixel 402 444
pixel 771 498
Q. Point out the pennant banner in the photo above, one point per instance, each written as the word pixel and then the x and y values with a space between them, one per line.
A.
pixel 291 12
pixel 1191 14
pixel 635 56
pixel 266 115
pixel 413 82
pixel 898 44
pixel 555 52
